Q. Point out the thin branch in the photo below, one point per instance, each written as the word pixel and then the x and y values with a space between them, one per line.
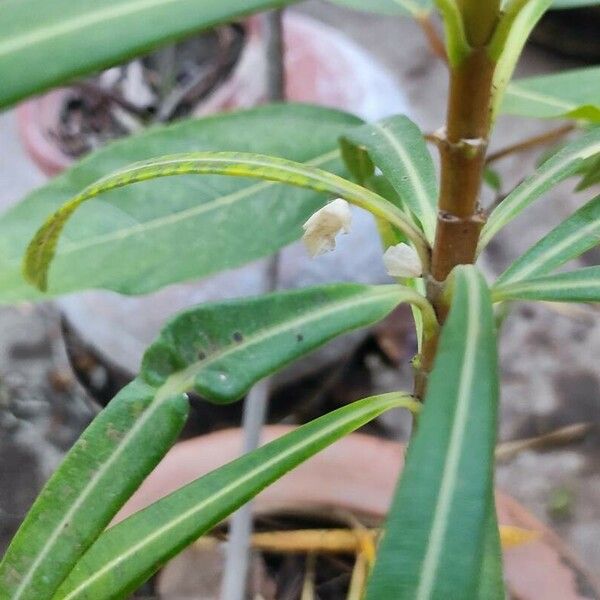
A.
pixel 275 52
pixel 532 142
pixel 560 437
pixel 436 43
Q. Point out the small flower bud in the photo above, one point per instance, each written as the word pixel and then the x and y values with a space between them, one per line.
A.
pixel 323 226
pixel 402 261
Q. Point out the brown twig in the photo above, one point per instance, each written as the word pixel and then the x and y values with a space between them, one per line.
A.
pixel 560 437
pixel 436 43
pixel 532 142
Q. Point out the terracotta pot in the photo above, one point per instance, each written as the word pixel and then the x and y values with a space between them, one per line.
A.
pixel 323 66
pixel 544 569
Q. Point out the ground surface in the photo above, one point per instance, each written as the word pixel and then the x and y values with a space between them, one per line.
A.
pixel 549 358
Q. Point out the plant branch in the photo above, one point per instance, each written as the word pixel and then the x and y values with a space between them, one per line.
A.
pixel 436 43
pixel 462 145
pixel 532 142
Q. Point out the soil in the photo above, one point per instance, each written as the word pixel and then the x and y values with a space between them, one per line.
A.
pixel 160 87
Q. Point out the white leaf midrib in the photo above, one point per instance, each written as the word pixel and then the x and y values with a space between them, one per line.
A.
pixel 439 526
pixel 525 194
pixel 426 210
pixel 540 263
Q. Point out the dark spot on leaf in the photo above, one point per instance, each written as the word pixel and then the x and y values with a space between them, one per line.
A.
pixel 201 355
pixel 299 337
pixel 237 336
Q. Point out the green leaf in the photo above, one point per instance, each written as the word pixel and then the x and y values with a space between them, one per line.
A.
pixel 582 285
pixel 559 4
pixel 573 94
pixel 414 8
pixel 492 179
pixel 591 174
pixel 44 44
pixel 233 164
pixel 396 146
pixel 509 40
pixel 491 579
pixel 127 554
pixel 104 467
pixel 570 239
pixel 219 350
pixel 434 537
pixel 141 238
pixel 563 164
pixel 457 45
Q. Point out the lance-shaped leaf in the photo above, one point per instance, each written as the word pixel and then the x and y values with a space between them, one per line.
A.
pixel 233 164
pixel 491 576
pixel 590 174
pixel 582 285
pixel 396 146
pixel 559 4
pixel 221 349
pixel 415 8
pixel 87 35
pixel 563 164
pixel 516 24
pixel 105 466
pixel 570 239
pixel 434 537
pixel 127 554
pixel 217 350
pixel 141 238
pixel 571 94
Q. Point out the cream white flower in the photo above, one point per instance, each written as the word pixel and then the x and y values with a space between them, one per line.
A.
pixel 402 261
pixel 322 227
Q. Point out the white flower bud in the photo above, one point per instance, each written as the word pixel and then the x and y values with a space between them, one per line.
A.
pixel 322 227
pixel 402 261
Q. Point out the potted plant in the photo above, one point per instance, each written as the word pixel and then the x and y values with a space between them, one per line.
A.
pixel 441 532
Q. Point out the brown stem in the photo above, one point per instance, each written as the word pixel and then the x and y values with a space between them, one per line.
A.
pixel 462 149
pixel 433 37
pixel 462 144
pixel 532 142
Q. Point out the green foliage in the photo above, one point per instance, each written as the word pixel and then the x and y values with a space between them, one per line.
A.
pixel 234 164
pixel 44 44
pixel 105 466
pixel 196 225
pixel 571 94
pixel 558 4
pixel 127 554
pixel 563 164
pixel 582 285
pixel 434 537
pixel 570 239
pixel 491 578
pixel 219 351
pixel 509 40
pixel 441 538
pixel 398 148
